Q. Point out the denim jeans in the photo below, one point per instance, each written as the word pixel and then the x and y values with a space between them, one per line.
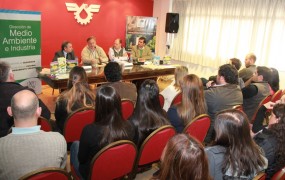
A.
pixel 74 159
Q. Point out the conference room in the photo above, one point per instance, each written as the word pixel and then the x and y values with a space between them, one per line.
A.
pixel 172 60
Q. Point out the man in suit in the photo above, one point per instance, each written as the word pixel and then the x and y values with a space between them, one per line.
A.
pixel 141 51
pixel 66 51
pixel 250 68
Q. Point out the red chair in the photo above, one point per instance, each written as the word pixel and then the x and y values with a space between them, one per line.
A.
pixel 161 100
pixel 47 174
pixel 264 101
pixel 279 175
pixel 260 176
pixel 238 107
pixel 127 108
pixel 177 99
pixel 45 124
pixel 277 95
pixel 75 123
pixel 114 161
pixel 198 127
pixel 152 147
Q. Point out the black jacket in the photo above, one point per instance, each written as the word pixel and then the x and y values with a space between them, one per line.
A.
pixel 7 91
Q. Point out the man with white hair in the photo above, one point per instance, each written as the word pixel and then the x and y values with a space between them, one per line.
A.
pixel 28 148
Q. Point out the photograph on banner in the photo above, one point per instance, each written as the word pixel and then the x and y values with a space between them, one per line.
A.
pixel 140 26
pixel 20 37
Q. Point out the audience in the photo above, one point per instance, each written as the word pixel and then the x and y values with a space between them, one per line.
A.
pixel 79 96
pixel 234 154
pixel 77 74
pixel 250 68
pixel 174 88
pixel 256 91
pixel 183 158
pixel 274 81
pixel 193 103
pixel 108 127
pixel 272 139
pixel 8 87
pixel 224 95
pixel 66 51
pixel 28 148
pixel 113 74
pixel 148 114
pixel 117 52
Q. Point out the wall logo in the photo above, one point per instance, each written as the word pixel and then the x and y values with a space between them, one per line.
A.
pixel 77 10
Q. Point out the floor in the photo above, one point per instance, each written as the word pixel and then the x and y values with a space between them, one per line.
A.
pixel 49 98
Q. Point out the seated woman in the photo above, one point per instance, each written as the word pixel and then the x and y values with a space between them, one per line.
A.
pixel 108 127
pixel 193 103
pixel 79 96
pixel 148 114
pixel 234 154
pixel 174 88
pixel 272 139
pixel 77 74
pixel 183 158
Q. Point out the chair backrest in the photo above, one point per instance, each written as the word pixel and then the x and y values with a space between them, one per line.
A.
pixel 198 127
pixel 113 161
pixel 45 124
pixel 260 176
pixel 127 108
pixel 152 147
pixel 161 100
pixel 177 99
pixel 238 107
pixel 277 95
pixel 47 174
pixel 279 175
pixel 75 123
pixel 264 101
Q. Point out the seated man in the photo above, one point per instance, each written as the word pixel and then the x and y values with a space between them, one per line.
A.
pixel 256 91
pixel 141 51
pixel 224 95
pixel 250 67
pixel 66 52
pixel 93 54
pixel 117 52
pixel 8 87
pixel 113 74
pixel 28 148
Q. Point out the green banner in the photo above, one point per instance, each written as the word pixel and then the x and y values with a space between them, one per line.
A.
pixel 19 38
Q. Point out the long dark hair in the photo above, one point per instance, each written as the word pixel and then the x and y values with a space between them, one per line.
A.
pixel 184 158
pixel 148 114
pixel 274 81
pixel 77 74
pixel 278 129
pixel 109 115
pixel 193 101
pixel 243 156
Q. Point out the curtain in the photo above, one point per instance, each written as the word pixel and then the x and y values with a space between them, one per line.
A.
pixel 213 31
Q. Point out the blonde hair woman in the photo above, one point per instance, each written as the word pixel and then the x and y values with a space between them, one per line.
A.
pixel 80 95
pixel 174 88
pixel 193 103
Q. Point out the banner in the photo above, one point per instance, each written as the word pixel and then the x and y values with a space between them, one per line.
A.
pixel 20 42
pixel 138 26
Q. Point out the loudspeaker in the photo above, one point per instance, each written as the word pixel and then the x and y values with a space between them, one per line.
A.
pixel 172 22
